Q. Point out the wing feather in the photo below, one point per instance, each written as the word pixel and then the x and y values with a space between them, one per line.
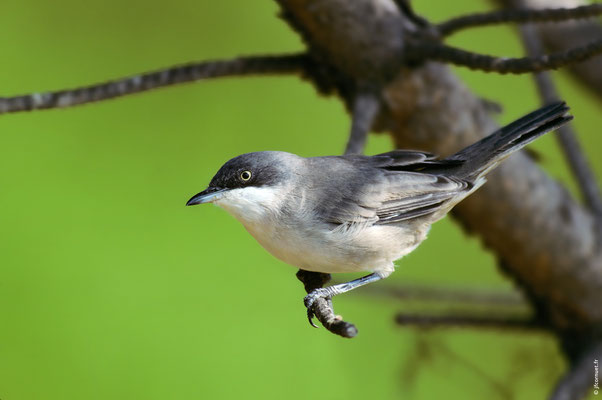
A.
pixel 417 195
pixel 398 188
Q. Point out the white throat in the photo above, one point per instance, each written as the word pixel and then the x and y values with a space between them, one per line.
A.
pixel 252 205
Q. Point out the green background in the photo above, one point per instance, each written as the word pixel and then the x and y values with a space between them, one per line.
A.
pixel 110 288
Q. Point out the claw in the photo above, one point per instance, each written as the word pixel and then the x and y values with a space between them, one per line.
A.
pixel 310 317
pixel 309 301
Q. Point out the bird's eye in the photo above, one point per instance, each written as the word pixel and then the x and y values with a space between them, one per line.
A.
pixel 245 175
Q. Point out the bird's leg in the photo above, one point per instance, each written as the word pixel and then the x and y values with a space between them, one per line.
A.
pixel 333 290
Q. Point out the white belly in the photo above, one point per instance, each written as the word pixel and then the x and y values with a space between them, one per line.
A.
pixel 319 248
pixel 372 248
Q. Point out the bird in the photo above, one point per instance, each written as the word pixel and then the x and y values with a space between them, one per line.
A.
pixel 359 213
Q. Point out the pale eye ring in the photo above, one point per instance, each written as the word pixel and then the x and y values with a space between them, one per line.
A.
pixel 245 175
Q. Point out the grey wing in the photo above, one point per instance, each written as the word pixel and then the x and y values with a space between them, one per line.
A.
pixel 396 197
pixel 399 158
pixel 397 186
pixel 417 194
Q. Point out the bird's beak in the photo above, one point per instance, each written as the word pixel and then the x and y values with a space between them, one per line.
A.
pixel 206 196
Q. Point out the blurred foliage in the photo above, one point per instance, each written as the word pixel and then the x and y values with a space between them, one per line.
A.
pixel 111 288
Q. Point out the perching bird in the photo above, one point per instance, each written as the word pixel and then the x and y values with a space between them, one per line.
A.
pixel 359 213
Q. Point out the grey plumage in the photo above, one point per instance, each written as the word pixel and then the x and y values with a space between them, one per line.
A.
pixel 402 185
pixel 354 212
pixel 480 157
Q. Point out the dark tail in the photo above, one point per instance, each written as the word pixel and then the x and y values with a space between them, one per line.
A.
pixel 485 154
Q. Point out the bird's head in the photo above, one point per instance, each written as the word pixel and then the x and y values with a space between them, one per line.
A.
pixel 250 184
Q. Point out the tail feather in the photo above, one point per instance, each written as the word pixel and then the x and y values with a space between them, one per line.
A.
pixel 480 157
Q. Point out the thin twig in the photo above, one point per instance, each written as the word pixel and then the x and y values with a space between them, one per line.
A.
pixel 500 321
pixel 365 108
pixel 519 16
pixel 322 308
pixel 566 136
pixel 428 294
pixel 406 8
pixel 421 51
pixel 580 379
pixel 278 64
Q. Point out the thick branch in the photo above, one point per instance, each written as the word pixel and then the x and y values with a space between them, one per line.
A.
pixel 421 51
pixel 457 320
pixel 518 16
pixel 565 135
pixel 526 218
pixel 523 215
pixel 279 64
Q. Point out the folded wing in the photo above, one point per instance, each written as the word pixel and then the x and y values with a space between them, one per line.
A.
pixel 398 186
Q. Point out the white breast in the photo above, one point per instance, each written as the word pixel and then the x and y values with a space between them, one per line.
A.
pixel 296 241
pixel 252 205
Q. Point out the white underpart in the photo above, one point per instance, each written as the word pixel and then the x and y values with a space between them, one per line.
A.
pixel 300 241
pixel 253 206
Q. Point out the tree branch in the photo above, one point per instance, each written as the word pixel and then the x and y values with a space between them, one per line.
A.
pixel 469 321
pixel 562 36
pixel 279 64
pixel 448 295
pixel 580 378
pixel 518 16
pixel 421 51
pixel 406 8
pixel 529 220
pixel 322 308
pixel 524 216
pixel 566 136
pixel 365 109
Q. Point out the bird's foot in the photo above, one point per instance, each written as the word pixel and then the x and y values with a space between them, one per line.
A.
pixel 311 298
